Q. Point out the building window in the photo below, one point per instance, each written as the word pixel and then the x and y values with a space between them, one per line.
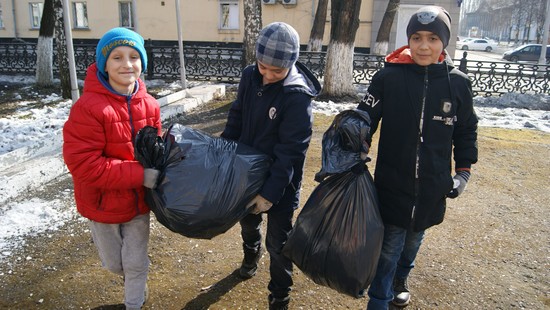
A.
pixel 126 18
pixel 35 10
pixel 80 13
pixel 229 14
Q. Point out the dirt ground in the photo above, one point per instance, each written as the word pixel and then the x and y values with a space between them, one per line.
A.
pixel 491 252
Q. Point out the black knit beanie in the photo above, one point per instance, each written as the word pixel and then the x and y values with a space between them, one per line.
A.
pixel 433 19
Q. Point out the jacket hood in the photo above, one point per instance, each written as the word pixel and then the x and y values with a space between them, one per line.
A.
pixel 300 76
pixel 299 79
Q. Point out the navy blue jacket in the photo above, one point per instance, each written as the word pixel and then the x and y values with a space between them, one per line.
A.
pixel 426 118
pixel 277 120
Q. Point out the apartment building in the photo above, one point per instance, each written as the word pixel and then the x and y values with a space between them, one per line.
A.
pixel 203 21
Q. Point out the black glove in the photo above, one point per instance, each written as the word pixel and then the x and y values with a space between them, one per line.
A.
pixel 460 180
pixel 150 177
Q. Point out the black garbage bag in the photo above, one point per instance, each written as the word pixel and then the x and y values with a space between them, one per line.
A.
pixel 337 237
pixel 343 142
pixel 205 182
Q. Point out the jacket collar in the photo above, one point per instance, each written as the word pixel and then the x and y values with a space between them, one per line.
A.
pixel 402 55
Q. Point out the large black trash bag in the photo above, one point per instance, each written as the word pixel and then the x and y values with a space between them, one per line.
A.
pixel 337 237
pixel 205 182
pixel 343 142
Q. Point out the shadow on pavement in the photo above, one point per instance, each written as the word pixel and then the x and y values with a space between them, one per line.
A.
pixel 215 292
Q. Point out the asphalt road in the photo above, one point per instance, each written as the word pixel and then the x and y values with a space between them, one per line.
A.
pixel 495 55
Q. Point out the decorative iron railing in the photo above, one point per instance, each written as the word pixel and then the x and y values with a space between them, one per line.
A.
pixel 224 64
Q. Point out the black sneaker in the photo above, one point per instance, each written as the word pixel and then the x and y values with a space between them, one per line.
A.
pixel 401 295
pixel 250 262
pixel 278 303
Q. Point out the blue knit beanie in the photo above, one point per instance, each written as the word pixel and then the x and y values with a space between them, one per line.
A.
pixel 119 37
pixel 278 45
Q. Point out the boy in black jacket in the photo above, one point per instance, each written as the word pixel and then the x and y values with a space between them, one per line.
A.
pixel 427 114
pixel 273 114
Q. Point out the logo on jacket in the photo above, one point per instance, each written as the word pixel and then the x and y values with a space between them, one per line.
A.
pixel 446 106
pixel 370 100
pixel 272 113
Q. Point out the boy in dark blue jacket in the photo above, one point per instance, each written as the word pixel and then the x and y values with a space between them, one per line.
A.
pixel 273 114
pixel 424 108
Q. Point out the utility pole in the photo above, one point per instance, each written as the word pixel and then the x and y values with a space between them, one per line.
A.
pixel 134 16
pixel 180 44
pixel 70 51
pixel 542 59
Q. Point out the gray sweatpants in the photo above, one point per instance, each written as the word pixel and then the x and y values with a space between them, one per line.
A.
pixel 123 250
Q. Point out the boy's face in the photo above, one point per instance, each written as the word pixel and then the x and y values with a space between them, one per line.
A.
pixel 271 74
pixel 124 68
pixel 425 48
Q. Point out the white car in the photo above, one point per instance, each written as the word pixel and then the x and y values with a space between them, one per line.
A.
pixel 476 45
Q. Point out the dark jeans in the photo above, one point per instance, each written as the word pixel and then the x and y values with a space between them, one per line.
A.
pixel 399 250
pixel 279 224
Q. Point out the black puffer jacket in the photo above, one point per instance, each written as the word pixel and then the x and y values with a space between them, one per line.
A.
pixel 277 120
pixel 427 117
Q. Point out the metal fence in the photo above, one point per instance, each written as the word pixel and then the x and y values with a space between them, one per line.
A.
pixel 224 64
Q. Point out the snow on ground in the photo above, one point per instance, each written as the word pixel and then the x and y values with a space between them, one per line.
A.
pixel 32 132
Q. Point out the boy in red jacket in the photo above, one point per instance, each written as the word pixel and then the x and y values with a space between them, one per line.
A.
pixel 99 152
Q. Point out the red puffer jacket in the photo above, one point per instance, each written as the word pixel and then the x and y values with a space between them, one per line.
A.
pixel 99 152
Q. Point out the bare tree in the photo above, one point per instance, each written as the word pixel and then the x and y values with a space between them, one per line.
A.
pixel 338 80
pixel 44 47
pixel 61 47
pixel 383 37
pixel 252 27
pixel 540 17
pixel 315 43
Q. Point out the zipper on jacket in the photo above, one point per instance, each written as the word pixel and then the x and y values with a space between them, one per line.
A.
pixel 129 105
pixel 419 141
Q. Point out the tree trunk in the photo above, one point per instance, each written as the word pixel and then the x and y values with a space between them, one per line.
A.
pixel 315 43
pixel 338 80
pixel 61 47
pixel 383 37
pixel 252 27
pixel 44 47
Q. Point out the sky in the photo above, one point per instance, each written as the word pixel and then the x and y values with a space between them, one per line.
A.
pixel 31 139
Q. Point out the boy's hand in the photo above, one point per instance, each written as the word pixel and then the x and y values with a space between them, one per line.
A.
pixel 258 205
pixel 460 180
pixel 150 177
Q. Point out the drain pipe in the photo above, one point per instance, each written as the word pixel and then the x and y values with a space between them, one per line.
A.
pixel 15 34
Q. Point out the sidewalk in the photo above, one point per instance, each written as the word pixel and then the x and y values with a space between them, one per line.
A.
pixel 27 168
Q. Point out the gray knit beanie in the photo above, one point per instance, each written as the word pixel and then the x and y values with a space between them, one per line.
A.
pixel 278 45
pixel 433 19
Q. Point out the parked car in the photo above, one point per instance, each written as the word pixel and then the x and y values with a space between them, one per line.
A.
pixel 527 52
pixel 476 44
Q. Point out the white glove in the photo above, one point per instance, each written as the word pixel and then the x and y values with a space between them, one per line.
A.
pixel 150 177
